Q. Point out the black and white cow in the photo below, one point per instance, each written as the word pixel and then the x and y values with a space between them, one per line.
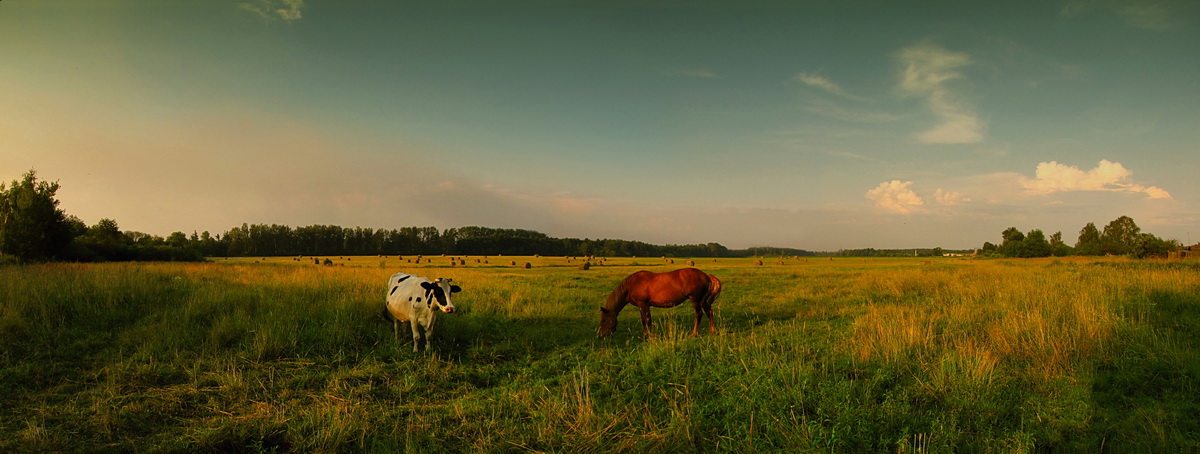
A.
pixel 415 299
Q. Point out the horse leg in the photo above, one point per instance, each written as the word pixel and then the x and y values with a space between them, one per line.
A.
pixel 696 325
pixel 646 323
pixel 712 325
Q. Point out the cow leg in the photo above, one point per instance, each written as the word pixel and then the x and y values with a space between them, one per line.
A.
pixel 396 330
pixel 429 332
pixel 416 335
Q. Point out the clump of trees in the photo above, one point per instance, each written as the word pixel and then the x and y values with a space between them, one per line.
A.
pixel 32 226
pixel 34 229
pixel 1122 236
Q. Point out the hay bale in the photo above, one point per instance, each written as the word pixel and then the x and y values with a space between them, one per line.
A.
pixel 528 265
pixel 758 262
pixel 585 266
pixel 691 263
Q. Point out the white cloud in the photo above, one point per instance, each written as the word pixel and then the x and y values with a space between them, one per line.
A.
pixel 288 10
pixel 816 80
pixel 895 196
pixel 925 70
pixel 950 198
pixel 1110 176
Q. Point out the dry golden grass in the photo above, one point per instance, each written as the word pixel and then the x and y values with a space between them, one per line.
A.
pixel 847 355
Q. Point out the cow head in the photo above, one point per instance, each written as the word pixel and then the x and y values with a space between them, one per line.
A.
pixel 439 293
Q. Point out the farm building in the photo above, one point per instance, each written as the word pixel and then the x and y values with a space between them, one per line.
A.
pixel 1185 252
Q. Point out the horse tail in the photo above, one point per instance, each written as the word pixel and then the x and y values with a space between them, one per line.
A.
pixel 714 290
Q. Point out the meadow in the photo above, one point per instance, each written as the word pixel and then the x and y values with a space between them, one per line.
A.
pixel 849 355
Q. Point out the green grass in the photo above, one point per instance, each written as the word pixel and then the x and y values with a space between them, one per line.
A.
pixel 850 355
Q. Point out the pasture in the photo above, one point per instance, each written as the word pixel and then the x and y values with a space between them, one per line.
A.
pixel 849 355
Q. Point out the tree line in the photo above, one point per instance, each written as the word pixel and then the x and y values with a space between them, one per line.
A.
pixel 33 228
pixel 325 240
pixel 1122 236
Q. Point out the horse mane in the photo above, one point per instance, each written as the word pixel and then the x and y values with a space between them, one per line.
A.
pixel 613 303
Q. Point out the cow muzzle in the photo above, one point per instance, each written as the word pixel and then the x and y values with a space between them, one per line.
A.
pixel 448 309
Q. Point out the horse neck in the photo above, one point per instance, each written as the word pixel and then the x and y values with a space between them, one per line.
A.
pixel 616 300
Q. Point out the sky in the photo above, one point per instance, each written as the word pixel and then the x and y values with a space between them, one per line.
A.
pixel 818 125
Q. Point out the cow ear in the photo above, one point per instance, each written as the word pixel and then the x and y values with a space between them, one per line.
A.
pixel 455 289
pixel 428 285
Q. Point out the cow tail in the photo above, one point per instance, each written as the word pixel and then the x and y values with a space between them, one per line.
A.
pixel 385 314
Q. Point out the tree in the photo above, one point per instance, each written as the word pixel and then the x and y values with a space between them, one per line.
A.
pixel 177 239
pixel 1152 246
pixel 1089 240
pixel 1035 245
pixel 1120 236
pixel 1014 243
pixel 1058 248
pixel 32 227
pixel 988 248
pixel 106 231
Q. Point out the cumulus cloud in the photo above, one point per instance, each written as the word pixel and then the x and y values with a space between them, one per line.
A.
pixel 1110 176
pixel 287 10
pixel 895 196
pixel 925 70
pixel 950 198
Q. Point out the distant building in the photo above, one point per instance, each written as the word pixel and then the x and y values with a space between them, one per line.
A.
pixel 1186 252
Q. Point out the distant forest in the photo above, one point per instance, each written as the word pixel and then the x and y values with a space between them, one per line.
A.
pixel 326 240
pixel 34 229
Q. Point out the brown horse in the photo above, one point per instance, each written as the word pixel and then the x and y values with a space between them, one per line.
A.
pixel 645 289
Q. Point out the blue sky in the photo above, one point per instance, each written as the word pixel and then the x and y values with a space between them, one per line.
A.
pixel 823 125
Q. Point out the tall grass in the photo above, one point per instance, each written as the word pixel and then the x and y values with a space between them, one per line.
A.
pixel 847 356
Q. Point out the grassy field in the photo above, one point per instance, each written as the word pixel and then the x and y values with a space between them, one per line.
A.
pixel 849 355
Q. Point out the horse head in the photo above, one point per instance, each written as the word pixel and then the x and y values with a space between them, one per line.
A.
pixel 608 322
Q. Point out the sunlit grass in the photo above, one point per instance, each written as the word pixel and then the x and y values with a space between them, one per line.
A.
pixel 848 355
